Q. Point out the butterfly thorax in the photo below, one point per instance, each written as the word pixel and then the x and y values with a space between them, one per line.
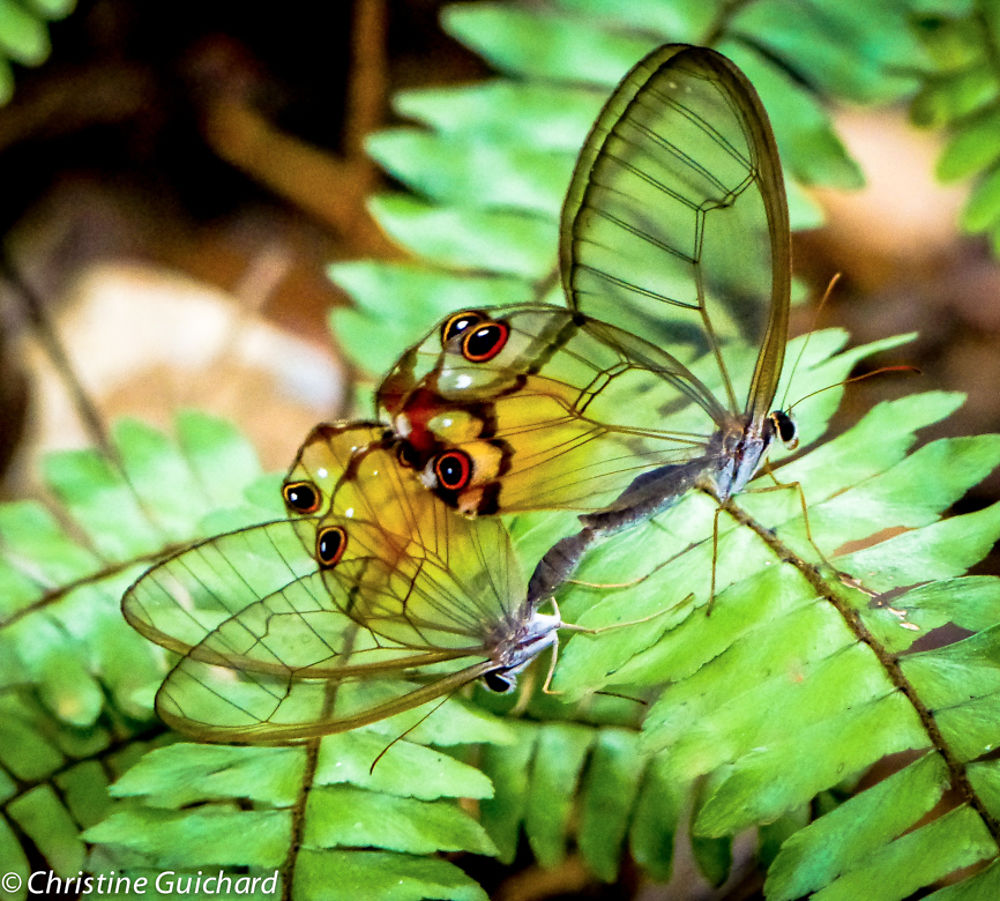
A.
pixel 515 643
pixel 740 448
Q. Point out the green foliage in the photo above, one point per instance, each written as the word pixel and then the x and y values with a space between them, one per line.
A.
pixel 762 715
pixel 24 36
pixel 789 688
pixel 488 164
pixel 962 94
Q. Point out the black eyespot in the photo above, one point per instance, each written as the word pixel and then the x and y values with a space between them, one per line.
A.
pixel 331 543
pixel 485 342
pixel 786 428
pixel 453 470
pixel 458 323
pixel 498 682
pixel 302 497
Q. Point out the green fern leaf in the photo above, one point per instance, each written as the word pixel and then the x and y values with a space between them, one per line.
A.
pixel 24 36
pixel 524 131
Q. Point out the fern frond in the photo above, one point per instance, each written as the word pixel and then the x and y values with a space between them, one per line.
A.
pixel 24 36
pixel 73 679
pixel 489 163
pixel 960 94
pixel 763 715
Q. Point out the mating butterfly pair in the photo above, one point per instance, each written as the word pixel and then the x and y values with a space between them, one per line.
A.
pixel 376 597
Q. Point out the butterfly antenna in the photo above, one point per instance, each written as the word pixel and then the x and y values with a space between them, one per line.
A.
pixel 882 370
pixel 798 359
pixel 406 732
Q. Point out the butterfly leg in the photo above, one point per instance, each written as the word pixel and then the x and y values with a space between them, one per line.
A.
pixel 796 486
pixel 547 684
pixel 715 559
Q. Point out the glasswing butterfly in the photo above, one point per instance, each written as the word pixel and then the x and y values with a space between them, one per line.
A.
pixel 675 262
pixel 372 599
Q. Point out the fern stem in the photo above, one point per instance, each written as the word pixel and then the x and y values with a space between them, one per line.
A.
pixel 23 787
pixel 54 595
pixel 287 868
pixel 890 663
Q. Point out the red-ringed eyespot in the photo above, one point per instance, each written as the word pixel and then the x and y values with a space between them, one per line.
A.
pixel 458 323
pixel 453 470
pixel 485 342
pixel 331 543
pixel 302 497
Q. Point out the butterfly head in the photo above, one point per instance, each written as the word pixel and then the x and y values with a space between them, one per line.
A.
pixel 516 644
pixel 785 428
pixel 501 681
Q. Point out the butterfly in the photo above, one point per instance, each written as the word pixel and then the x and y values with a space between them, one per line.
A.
pixel 372 598
pixel 660 374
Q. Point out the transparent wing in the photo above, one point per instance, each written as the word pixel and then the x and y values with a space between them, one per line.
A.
pixel 675 226
pixel 183 598
pixel 566 413
pixel 463 591
pixel 674 254
pixel 280 642
pixel 215 703
pixel 322 461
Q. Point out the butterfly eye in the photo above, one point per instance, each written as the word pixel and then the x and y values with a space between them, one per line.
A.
pixel 458 323
pixel 330 546
pixel 786 428
pixel 485 342
pixel 453 470
pixel 499 682
pixel 302 497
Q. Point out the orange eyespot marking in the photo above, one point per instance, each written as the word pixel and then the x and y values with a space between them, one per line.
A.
pixel 453 470
pixel 302 497
pixel 485 342
pixel 331 543
pixel 458 323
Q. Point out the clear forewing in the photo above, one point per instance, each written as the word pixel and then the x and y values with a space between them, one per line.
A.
pixel 278 646
pixel 566 413
pixel 675 226
pixel 327 453
pixel 180 600
pixel 460 589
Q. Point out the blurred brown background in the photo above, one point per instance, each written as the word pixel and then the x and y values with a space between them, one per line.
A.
pixel 175 180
